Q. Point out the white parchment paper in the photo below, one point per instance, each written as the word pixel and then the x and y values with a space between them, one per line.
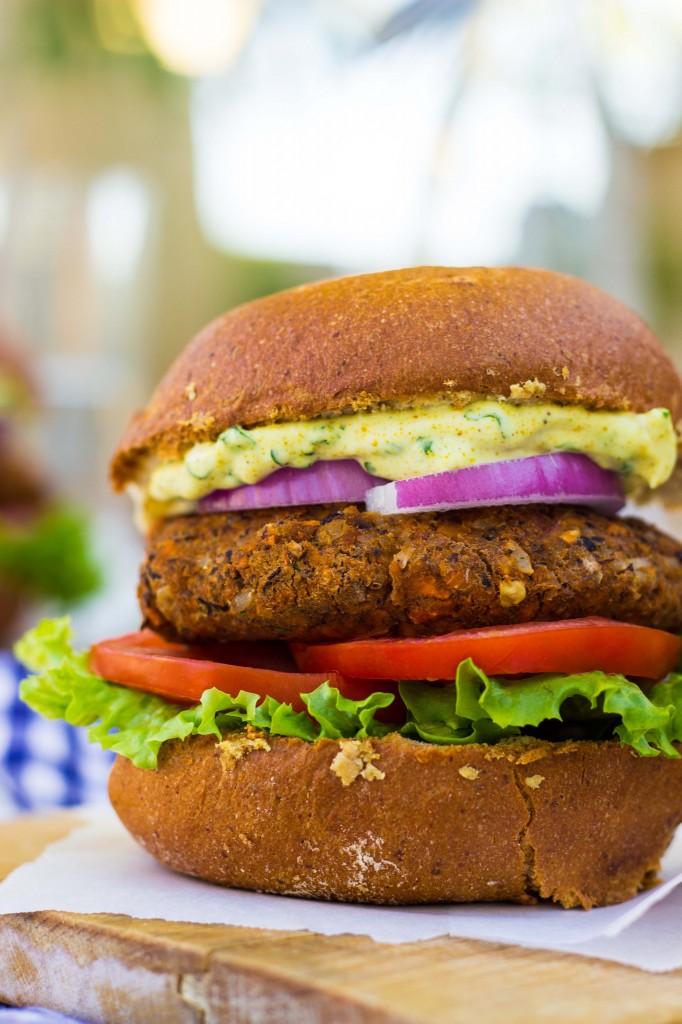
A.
pixel 98 868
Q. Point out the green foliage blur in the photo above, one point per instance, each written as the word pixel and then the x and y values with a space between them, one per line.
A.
pixel 49 557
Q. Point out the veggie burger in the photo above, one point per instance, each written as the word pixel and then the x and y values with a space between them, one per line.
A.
pixel 398 646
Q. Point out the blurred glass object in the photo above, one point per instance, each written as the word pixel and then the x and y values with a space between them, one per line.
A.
pixel 72 275
pixel 118 215
pixel 636 47
pixel 79 243
pixel 312 154
pixel 366 136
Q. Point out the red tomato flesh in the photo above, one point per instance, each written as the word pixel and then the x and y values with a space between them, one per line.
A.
pixel 181 672
pixel 574 645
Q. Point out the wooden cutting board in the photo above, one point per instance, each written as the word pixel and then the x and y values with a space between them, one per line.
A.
pixel 120 970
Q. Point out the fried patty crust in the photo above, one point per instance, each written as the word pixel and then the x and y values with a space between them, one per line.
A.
pixel 324 573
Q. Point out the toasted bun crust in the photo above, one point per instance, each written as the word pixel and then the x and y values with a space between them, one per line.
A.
pixel 418 334
pixel 580 823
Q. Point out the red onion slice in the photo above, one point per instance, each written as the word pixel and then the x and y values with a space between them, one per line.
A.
pixel 559 478
pixel 320 483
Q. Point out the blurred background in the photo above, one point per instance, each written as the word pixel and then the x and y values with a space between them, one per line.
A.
pixel 163 160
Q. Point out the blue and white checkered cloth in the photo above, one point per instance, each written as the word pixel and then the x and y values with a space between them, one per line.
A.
pixel 43 764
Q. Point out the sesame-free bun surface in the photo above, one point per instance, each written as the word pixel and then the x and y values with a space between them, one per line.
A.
pixel 580 823
pixel 421 334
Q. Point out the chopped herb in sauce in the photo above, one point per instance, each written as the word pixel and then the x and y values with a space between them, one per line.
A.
pixel 200 476
pixel 476 416
pixel 237 437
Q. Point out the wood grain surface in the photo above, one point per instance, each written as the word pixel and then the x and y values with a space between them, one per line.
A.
pixel 119 970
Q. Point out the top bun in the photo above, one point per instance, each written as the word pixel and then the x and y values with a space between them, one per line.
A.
pixel 421 334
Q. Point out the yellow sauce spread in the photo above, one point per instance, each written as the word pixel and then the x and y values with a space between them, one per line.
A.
pixel 401 443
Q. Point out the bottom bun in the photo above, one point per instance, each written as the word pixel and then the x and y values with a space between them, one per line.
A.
pixel 399 821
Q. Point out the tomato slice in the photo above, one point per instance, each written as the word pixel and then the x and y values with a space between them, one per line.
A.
pixel 574 645
pixel 181 672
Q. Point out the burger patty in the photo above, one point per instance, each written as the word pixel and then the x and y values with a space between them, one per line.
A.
pixel 334 573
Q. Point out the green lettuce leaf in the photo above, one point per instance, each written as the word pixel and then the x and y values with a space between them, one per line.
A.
pixel 478 708
pixel 135 724
pixel 50 557
pixel 475 708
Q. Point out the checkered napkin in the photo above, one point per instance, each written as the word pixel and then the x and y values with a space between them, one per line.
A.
pixel 43 764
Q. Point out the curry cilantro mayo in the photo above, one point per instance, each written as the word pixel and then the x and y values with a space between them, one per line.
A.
pixel 401 443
